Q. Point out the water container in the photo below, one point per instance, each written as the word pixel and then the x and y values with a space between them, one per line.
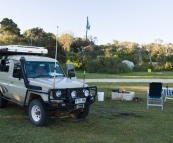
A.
pixel 100 96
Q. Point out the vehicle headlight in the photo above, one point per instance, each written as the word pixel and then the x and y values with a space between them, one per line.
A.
pixel 58 93
pixel 73 94
pixel 86 93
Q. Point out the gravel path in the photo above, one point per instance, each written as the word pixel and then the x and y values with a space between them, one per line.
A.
pixel 128 80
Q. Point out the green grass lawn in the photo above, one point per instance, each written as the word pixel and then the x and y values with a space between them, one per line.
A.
pixel 136 75
pixel 108 122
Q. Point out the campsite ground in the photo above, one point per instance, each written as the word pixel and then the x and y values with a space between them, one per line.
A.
pixel 109 121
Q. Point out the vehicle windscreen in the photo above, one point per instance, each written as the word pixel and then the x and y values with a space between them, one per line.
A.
pixel 43 69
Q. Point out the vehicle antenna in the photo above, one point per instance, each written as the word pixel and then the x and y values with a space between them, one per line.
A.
pixel 55 57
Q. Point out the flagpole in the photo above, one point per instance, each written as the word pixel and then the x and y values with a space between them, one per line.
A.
pixel 83 64
pixel 83 54
pixel 86 33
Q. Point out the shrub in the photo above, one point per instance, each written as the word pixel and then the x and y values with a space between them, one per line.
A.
pixel 110 65
pixel 76 63
pixel 142 68
pixel 123 68
pixel 93 66
pixel 168 66
pixel 158 68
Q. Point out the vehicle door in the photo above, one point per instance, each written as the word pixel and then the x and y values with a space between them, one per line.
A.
pixel 16 86
pixel 4 76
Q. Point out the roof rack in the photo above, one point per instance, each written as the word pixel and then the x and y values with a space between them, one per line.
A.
pixel 20 49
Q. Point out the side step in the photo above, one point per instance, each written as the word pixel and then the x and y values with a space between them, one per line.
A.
pixel 14 101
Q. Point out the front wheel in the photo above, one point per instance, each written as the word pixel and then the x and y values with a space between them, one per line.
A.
pixel 38 115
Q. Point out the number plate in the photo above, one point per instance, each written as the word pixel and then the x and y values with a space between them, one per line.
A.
pixel 80 100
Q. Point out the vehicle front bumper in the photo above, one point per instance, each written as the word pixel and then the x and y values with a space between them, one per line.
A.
pixel 67 102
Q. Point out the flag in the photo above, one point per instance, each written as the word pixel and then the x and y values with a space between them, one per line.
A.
pixel 88 24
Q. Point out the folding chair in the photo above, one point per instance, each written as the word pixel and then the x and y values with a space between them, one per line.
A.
pixel 168 92
pixel 154 95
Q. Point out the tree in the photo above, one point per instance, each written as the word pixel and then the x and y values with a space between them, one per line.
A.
pixel 8 27
pixel 138 48
pixel 149 48
pixel 66 40
pixel 91 40
pixel 128 51
pixel 34 36
pixel 77 44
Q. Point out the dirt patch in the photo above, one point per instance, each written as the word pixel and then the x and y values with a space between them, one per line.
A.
pixel 126 115
pixel 104 110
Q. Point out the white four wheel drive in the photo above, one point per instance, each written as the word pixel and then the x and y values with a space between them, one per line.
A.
pixel 28 78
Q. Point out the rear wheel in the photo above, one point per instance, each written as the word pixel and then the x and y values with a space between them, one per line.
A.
pixel 3 102
pixel 38 115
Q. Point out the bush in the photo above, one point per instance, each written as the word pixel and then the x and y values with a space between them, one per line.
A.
pixel 168 66
pixel 158 68
pixel 123 68
pixel 142 68
pixel 110 65
pixel 76 63
pixel 93 66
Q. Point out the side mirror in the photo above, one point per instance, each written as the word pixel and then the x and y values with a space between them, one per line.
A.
pixel 17 73
pixel 70 70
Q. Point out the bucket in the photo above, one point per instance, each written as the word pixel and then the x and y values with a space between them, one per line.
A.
pixel 100 96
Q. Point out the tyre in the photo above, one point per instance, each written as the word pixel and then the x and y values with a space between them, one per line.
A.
pixel 81 115
pixel 38 115
pixel 3 102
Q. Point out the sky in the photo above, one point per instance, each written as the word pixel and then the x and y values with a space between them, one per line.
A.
pixel 140 21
